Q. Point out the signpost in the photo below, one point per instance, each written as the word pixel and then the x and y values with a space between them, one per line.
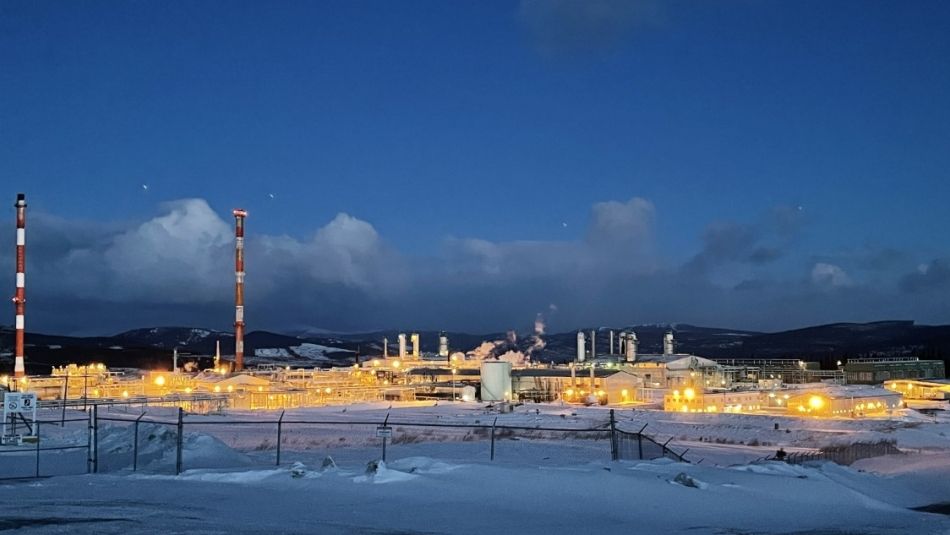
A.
pixel 384 432
pixel 18 404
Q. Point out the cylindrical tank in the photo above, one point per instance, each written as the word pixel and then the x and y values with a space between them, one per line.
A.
pixel 415 345
pixel 668 343
pixel 580 346
pixel 496 380
pixel 443 345
pixel 402 345
pixel 631 350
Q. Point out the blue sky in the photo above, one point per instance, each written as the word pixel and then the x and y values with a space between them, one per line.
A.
pixel 792 157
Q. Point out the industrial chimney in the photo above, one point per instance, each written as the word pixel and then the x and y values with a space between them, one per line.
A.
pixel 385 348
pixel 415 345
pixel 593 342
pixel 668 343
pixel 611 342
pixel 19 298
pixel 631 350
pixel 239 216
pixel 580 346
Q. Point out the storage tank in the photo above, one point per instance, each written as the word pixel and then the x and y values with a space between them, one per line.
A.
pixel 443 345
pixel 630 355
pixel 415 345
pixel 668 343
pixel 580 346
pixel 496 380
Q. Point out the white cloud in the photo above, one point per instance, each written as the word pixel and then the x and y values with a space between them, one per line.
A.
pixel 823 274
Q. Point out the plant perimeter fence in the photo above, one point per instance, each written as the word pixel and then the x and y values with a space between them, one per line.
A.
pixel 107 443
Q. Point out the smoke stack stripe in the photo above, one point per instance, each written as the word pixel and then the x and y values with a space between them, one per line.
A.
pixel 19 298
pixel 239 216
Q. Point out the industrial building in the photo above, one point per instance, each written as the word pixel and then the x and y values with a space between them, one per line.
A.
pixel 844 402
pixel 921 390
pixel 870 371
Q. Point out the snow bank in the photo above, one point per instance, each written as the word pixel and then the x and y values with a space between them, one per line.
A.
pixel 157 449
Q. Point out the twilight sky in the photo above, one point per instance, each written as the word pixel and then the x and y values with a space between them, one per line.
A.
pixel 468 165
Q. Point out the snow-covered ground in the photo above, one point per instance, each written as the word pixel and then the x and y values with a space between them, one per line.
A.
pixel 305 355
pixel 441 480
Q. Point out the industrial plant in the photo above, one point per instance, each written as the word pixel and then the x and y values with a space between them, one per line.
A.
pixel 618 375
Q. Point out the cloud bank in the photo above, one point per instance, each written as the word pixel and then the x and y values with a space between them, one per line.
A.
pixel 176 268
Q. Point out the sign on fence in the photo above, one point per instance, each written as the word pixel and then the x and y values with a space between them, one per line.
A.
pixel 22 404
pixel 384 431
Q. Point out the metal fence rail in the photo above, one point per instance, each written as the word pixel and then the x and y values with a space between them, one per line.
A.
pixel 844 454
pixel 62 446
pixel 102 441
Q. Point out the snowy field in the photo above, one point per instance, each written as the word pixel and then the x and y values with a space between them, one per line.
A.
pixel 440 480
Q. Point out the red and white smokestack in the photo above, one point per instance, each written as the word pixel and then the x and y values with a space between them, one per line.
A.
pixel 239 216
pixel 19 299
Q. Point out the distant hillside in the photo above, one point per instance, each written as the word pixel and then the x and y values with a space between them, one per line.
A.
pixel 152 347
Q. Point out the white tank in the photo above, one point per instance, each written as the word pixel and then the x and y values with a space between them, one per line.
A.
pixel 443 346
pixel 415 345
pixel 402 345
pixel 580 346
pixel 668 343
pixel 496 380
pixel 630 355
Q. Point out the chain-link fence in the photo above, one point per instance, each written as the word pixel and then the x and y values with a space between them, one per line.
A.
pixel 60 446
pixel 172 440
pixel 844 454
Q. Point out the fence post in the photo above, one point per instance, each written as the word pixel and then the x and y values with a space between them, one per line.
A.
pixel 95 439
pixel 280 423
pixel 493 438
pixel 37 449
pixel 384 437
pixel 181 428
pixel 89 443
pixel 65 397
pixel 613 437
pixel 135 444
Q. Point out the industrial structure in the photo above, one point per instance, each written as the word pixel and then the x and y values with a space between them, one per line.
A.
pixel 239 216
pixel 668 380
pixel 19 299
pixel 878 370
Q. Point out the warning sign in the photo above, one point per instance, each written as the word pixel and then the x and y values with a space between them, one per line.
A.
pixel 22 404
pixel 19 403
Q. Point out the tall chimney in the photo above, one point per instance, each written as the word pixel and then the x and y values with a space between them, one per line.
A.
pixel 611 343
pixel 239 216
pixel 385 348
pixel 19 298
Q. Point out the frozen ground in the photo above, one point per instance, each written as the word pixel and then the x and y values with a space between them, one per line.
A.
pixel 443 482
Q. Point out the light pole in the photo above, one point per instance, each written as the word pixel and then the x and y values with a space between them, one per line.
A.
pixel 454 372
